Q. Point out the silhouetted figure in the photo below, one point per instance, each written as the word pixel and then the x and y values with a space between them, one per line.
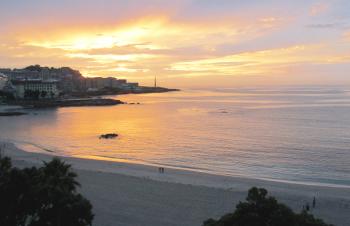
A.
pixel 160 169
pixel 314 202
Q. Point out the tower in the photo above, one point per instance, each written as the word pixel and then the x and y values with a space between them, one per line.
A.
pixel 155 81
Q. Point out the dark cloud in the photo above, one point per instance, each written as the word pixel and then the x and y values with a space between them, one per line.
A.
pixel 326 26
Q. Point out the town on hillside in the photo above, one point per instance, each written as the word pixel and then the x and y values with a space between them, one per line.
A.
pixel 38 83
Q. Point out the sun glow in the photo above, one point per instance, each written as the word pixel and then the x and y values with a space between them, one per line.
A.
pixel 127 34
pixel 176 45
pixel 106 58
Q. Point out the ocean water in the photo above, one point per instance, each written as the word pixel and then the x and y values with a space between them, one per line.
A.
pixel 298 135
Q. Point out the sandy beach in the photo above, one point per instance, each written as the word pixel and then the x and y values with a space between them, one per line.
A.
pixel 132 195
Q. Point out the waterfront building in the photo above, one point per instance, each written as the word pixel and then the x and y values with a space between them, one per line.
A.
pixel 99 83
pixel 130 86
pixel 17 74
pixel 35 88
pixel 69 80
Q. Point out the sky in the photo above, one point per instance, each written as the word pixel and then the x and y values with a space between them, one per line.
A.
pixel 185 43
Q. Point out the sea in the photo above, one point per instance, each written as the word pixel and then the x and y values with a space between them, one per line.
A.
pixel 288 134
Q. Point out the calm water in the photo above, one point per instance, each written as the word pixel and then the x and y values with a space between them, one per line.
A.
pixel 299 135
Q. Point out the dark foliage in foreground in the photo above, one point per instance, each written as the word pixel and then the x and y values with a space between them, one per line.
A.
pixel 263 210
pixel 6 95
pixel 42 196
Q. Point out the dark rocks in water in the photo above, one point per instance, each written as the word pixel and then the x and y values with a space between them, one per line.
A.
pixel 12 113
pixel 109 136
pixel 66 103
pixel 222 111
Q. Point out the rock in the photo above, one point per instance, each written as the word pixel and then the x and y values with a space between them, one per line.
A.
pixel 12 113
pixel 66 103
pixel 109 136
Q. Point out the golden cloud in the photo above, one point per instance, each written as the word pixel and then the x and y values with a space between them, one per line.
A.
pixel 259 62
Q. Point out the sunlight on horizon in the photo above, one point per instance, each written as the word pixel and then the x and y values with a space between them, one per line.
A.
pixel 190 44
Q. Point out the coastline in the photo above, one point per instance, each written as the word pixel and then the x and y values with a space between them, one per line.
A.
pixel 128 194
pixel 38 149
pixel 80 100
pixel 35 104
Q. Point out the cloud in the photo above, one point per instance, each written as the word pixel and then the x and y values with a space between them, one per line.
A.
pixel 326 25
pixel 271 61
pixel 175 40
pixel 346 36
pixel 318 9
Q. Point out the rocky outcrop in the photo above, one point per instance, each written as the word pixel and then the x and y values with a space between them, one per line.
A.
pixel 109 136
pixel 3 114
pixel 65 103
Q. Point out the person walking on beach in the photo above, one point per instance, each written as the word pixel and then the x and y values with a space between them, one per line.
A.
pixel 314 203
pixel 161 170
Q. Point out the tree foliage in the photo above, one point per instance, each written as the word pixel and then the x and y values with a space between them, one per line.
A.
pixel 41 196
pixel 6 95
pixel 31 94
pixel 43 94
pixel 259 209
pixel 36 67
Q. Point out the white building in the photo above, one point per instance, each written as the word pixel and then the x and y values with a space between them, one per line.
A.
pixel 129 86
pixel 35 88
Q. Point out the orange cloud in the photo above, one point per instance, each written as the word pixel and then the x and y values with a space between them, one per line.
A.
pixel 151 42
pixel 156 32
pixel 265 62
pixel 173 48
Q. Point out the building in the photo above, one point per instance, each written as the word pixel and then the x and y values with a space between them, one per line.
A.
pixel 99 83
pixel 20 74
pixel 3 81
pixel 130 86
pixel 69 80
pixel 35 88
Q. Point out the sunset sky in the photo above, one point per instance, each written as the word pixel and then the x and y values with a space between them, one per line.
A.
pixel 186 43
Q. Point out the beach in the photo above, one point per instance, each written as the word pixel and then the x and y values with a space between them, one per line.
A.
pixel 133 194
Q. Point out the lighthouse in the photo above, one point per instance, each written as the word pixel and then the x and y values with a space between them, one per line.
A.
pixel 155 81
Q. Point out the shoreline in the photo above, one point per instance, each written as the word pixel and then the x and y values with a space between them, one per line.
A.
pixel 89 102
pixel 109 160
pixel 120 183
pixel 111 92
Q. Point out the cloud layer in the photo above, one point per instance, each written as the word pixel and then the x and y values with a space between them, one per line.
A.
pixel 187 43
